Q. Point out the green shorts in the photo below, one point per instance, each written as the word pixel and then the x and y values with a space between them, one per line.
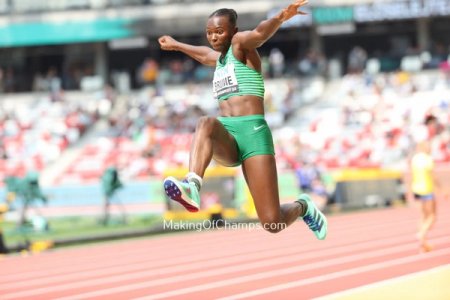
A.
pixel 252 134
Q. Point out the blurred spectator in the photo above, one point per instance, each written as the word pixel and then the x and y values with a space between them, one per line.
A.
pixel 2 77
pixel 111 184
pixel 312 64
pixel 27 190
pixel 357 59
pixel 3 154
pixel 276 61
pixel 54 84
pixel 433 126
pixel 39 83
pixel 307 176
pixel 9 81
pixel 188 70
pixel 4 207
pixel 148 72
pixel 287 108
pixel 176 67
pixel 265 66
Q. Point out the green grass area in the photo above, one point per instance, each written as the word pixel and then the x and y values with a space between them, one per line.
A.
pixel 64 228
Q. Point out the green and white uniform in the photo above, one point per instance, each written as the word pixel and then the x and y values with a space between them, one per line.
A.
pixel 252 134
pixel 233 78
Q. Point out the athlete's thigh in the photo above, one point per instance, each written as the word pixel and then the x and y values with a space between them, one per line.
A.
pixel 429 207
pixel 225 150
pixel 261 175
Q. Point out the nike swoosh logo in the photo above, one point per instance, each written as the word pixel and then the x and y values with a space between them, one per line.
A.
pixel 257 128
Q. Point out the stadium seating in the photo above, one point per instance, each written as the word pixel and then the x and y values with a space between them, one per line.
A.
pixel 36 131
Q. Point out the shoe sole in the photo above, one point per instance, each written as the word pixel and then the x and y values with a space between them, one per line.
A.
pixel 309 201
pixel 176 193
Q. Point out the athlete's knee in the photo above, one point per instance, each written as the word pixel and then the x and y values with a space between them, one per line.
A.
pixel 205 125
pixel 273 227
pixel 272 224
pixel 432 218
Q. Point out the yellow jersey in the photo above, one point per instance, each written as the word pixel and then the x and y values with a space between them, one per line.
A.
pixel 422 174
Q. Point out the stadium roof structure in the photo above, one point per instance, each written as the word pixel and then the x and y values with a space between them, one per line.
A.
pixel 109 23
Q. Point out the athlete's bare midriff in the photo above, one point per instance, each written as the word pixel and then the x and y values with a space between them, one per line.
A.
pixel 242 106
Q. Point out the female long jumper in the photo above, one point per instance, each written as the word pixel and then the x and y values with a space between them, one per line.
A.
pixel 240 135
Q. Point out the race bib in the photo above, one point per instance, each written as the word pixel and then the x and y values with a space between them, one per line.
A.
pixel 225 81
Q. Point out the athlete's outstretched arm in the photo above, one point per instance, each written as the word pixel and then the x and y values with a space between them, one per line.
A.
pixel 202 54
pixel 266 29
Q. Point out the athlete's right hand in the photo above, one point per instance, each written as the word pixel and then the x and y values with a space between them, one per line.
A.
pixel 167 42
pixel 292 10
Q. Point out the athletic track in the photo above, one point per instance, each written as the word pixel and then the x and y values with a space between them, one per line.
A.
pixel 361 248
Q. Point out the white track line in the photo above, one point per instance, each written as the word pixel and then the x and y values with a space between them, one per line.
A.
pixel 371 223
pixel 206 262
pixel 60 257
pixel 335 275
pixel 79 267
pixel 246 278
pixel 137 275
pixel 383 283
